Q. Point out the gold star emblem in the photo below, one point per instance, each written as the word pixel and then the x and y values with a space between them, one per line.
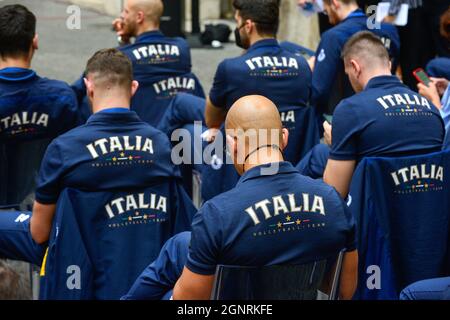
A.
pixel 130 157
pixel 122 154
pixel 130 218
pixel 298 222
pixel 136 213
pixel 279 224
pixel 288 218
pixel 114 159
pixel 145 217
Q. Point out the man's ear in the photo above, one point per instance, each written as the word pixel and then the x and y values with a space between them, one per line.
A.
pixel 249 26
pixel 140 17
pixel 134 87
pixel 356 67
pixel 36 42
pixel 336 4
pixel 232 147
pixel 285 138
pixel 89 86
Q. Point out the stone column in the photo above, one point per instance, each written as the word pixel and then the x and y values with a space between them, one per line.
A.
pixel 295 27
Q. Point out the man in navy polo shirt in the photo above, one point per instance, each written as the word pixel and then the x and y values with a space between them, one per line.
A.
pixel 127 164
pixel 265 68
pixel 385 118
pixel 161 64
pixel 329 83
pixel 274 216
pixel 33 110
pixel 31 107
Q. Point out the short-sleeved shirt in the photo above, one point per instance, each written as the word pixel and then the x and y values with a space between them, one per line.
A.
pixel 330 84
pixel 265 69
pixel 33 108
pixel 386 119
pixel 291 219
pixel 113 150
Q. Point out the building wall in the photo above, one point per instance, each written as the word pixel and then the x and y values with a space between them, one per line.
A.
pixel 294 26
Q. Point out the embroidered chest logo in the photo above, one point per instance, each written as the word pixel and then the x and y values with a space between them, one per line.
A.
pixel 286 213
pixel 157 54
pixel 135 209
pixel 418 178
pixel 24 123
pixel 121 150
pixel 268 66
pixel 168 88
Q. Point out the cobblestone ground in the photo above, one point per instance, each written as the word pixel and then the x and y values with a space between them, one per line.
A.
pixel 63 53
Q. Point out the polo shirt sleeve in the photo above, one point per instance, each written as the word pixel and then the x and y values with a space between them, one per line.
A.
pixel 345 133
pixel 218 93
pixel 328 60
pixel 50 174
pixel 206 241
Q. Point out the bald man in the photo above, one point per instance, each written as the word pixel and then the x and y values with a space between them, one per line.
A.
pixel 273 216
pixel 162 65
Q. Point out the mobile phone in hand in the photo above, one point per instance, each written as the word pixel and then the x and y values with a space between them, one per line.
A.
pixel 421 76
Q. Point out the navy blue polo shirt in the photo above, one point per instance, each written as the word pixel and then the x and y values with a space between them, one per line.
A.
pixel 34 108
pixel 162 66
pixel 386 119
pixel 265 69
pixel 114 149
pixel 154 54
pixel 330 84
pixel 292 219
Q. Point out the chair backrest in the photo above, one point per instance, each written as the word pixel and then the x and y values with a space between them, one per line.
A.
pixel 19 167
pixel 402 211
pixel 155 95
pixel 280 282
pixel 111 236
pixel 304 134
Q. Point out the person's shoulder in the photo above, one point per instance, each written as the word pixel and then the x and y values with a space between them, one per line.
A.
pixel 351 102
pixel 46 85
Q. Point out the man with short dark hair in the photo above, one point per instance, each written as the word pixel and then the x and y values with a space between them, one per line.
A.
pixel 33 110
pixel 385 118
pixel 265 68
pixel 123 165
pixel 329 83
pixel 30 106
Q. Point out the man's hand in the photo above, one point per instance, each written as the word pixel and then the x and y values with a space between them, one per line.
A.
pixel 441 85
pixel 210 135
pixel 118 26
pixel 431 93
pixel 312 62
pixel 327 128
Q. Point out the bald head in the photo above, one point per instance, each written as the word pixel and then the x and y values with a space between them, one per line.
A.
pixel 152 9
pixel 255 134
pixel 253 112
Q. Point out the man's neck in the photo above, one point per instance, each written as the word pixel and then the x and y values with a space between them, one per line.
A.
pixel 346 10
pixel 258 38
pixel 263 156
pixel 105 104
pixel 376 73
pixel 15 63
pixel 147 28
